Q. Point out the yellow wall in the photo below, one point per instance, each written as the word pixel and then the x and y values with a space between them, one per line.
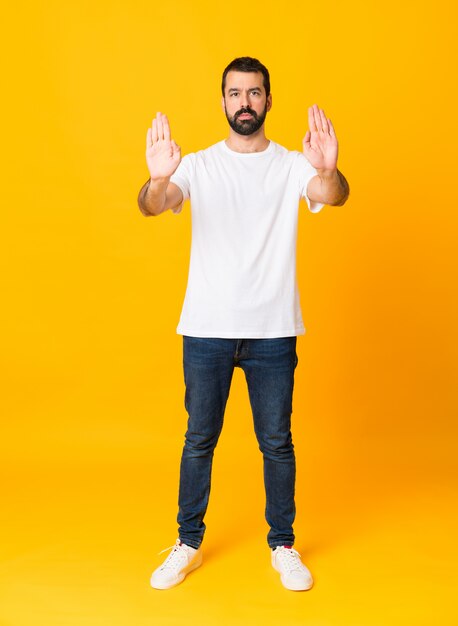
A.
pixel 92 291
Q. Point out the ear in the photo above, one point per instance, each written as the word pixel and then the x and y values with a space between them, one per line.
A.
pixel 269 102
pixel 223 104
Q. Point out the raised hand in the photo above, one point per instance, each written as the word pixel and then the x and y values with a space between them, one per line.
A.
pixel 163 155
pixel 320 142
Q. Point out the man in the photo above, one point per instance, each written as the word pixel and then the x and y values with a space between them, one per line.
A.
pixel 241 307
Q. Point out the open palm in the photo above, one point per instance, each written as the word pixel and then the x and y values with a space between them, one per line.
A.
pixel 320 145
pixel 163 155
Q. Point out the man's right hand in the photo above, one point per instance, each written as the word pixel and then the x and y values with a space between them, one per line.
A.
pixel 163 155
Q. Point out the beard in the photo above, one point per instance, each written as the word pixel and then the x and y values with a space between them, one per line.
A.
pixel 248 126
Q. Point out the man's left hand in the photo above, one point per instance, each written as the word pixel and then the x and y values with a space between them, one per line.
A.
pixel 320 145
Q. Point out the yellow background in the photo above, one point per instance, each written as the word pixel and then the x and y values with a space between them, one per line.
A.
pixel 93 391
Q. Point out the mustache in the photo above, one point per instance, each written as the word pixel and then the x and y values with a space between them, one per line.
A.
pixel 249 111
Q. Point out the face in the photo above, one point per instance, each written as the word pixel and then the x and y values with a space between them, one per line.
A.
pixel 245 103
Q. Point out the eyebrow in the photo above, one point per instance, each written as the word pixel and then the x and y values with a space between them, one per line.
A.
pixel 237 89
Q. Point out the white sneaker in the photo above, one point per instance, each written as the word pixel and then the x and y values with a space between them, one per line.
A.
pixel 293 573
pixel 182 560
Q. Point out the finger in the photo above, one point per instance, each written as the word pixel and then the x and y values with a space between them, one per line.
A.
pixel 316 116
pixel 154 132
pixel 312 124
pixel 160 128
pixel 324 121
pixel 166 126
pixel 332 132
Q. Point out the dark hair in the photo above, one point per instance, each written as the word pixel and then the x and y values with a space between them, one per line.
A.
pixel 247 64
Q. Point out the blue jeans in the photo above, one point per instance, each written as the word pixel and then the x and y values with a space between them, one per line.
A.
pixel 269 366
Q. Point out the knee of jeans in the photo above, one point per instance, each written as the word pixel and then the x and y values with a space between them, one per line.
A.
pixel 276 446
pixel 200 443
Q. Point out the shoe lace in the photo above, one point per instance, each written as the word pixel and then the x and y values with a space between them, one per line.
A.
pixel 290 559
pixel 176 559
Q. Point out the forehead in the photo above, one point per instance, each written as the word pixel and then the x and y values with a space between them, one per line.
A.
pixel 244 80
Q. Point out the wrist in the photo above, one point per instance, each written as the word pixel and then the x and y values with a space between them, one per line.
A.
pixel 327 174
pixel 158 180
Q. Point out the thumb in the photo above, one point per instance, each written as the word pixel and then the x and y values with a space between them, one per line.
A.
pixel 307 137
pixel 175 146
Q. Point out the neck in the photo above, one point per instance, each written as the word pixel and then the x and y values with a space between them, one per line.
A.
pixel 257 142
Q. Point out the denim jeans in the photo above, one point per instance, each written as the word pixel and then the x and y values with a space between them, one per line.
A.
pixel 269 366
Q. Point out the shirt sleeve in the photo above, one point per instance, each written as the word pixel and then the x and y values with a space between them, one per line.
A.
pixel 306 172
pixel 182 177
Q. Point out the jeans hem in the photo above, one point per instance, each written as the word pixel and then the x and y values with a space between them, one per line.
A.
pixel 188 543
pixel 283 543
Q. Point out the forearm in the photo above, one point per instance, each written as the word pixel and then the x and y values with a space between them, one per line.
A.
pixel 151 198
pixel 334 187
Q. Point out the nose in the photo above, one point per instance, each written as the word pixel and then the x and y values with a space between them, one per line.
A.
pixel 245 101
